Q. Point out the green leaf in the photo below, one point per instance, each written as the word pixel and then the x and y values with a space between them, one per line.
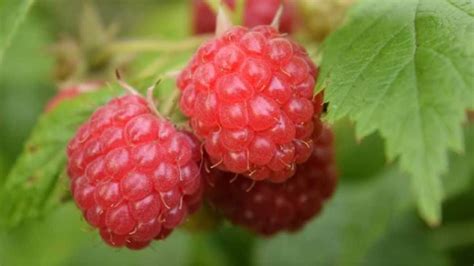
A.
pixel 224 246
pixel 352 155
pixel 64 238
pixel 405 70
pixel 3 167
pixel 12 14
pixel 33 186
pixel 407 242
pixel 60 234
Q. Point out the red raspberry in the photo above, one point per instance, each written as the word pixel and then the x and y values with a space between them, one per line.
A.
pixel 256 12
pixel 268 208
pixel 248 95
pixel 71 92
pixel 133 175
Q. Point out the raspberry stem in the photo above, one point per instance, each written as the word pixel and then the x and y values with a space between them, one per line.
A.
pixel 277 18
pixel 124 84
pixel 223 22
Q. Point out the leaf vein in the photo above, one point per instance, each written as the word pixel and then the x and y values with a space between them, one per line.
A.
pixel 386 88
pixel 449 60
pixel 458 8
pixel 369 62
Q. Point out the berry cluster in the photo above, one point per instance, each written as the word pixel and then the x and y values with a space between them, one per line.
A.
pixel 256 125
pixel 248 94
pixel 267 208
pixel 133 175
pixel 256 12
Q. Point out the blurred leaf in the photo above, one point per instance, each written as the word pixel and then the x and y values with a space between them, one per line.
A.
pixel 462 256
pixel 173 251
pixel 457 233
pixel 348 227
pixel 12 14
pixel 27 191
pixel 407 242
pixel 92 32
pixel 461 171
pixel 3 167
pixel 63 238
pixel 44 243
pixel 352 156
pixel 170 20
pixel 227 246
pixel 23 90
pixel 205 252
pixel 405 70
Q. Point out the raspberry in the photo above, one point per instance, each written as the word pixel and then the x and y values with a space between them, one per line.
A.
pixel 267 208
pixel 70 93
pixel 256 12
pixel 248 95
pixel 133 175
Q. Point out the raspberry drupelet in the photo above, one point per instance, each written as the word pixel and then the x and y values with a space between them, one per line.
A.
pixel 133 175
pixel 267 208
pixel 248 94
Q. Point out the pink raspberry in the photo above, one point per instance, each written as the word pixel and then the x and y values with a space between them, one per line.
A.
pixel 256 12
pixel 248 94
pixel 133 175
pixel 71 92
pixel 267 208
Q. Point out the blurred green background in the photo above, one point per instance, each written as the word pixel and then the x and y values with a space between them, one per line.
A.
pixel 372 219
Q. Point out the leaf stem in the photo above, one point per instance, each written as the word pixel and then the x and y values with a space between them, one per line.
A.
pixel 277 18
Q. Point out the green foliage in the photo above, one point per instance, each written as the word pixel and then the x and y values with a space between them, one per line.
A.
pixel 63 239
pixel 226 246
pixel 28 189
pixel 461 175
pixel 405 69
pixel 12 14
pixel 400 70
pixel 352 155
pixel 23 90
pixel 349 226
pixel 407 242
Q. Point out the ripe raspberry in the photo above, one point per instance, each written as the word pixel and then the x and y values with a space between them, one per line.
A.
pixel 268 208
pixel 133 175
pixel 71 92
pixel 248 95
pixel 256 12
